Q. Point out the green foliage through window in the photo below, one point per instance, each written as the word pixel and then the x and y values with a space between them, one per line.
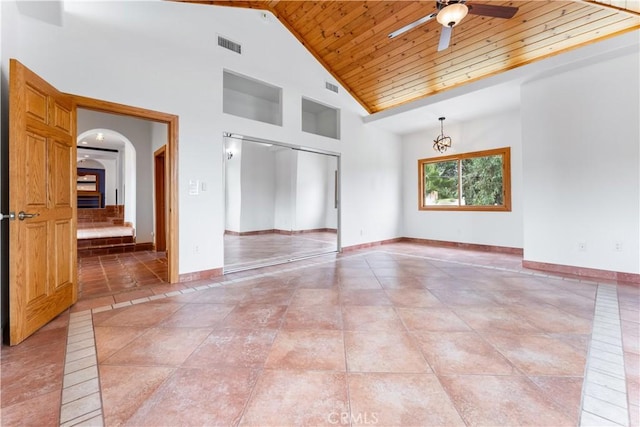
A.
pixel 441 183
pixel 482 181
pixel 472 181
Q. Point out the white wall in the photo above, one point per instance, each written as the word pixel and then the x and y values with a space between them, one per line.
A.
pixel 159 135
pixel 313 201
pixel 486 228
pixel 125 46
pixel 323 123
pixel 258 187
pixel 285 200
pixel 233 188
pixel 370 184
pixel 581 138
pixel 311 194
pixel 129 184
pixel 309 122
pixel 326 121
pixel 110 177
pixel 244 105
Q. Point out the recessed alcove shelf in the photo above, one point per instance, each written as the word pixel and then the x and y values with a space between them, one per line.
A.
pixel 320 119
pixel 252 99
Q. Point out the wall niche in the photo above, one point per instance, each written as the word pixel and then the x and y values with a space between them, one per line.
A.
pixel 320 119
pixel 252 99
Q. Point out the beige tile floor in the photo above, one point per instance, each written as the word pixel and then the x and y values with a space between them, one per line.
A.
pixel 398 335
pixel 242 252
pixel 122 277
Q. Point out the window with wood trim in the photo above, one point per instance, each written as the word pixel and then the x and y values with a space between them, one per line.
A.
pixel 478 181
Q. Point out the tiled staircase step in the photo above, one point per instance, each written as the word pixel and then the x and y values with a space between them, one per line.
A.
pixel 105 249
pixel 110 214
pixel 97 224
pixel 105 241
pixel 110 249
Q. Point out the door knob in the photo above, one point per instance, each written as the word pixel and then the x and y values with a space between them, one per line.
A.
pixel 11 216
pixel 22 215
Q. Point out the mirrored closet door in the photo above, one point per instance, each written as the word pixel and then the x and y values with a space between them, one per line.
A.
pixel 281 203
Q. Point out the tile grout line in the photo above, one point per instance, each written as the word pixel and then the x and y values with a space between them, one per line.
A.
pixel 81 402
pixel 82 399
pixel 604 391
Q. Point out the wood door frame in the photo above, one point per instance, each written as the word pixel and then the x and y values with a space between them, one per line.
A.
pixel 171 160
pixel 160 191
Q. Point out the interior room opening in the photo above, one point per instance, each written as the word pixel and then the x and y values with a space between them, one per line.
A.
pixel 118 247
pixel 281 202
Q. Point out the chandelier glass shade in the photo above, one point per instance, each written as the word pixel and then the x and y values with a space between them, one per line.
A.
pixel 452 14
pixel 442 142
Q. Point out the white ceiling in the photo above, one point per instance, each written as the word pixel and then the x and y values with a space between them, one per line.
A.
pixel 110 142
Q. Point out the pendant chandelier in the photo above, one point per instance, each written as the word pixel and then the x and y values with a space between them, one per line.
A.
pixel 442 142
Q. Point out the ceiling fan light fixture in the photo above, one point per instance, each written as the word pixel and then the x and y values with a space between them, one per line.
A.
pixel 452 14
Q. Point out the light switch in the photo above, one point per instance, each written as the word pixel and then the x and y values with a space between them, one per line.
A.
pixel 194 187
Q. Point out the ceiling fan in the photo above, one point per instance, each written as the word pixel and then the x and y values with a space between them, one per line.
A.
pixel 449 13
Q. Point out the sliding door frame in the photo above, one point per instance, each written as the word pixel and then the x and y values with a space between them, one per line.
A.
pixel 338 186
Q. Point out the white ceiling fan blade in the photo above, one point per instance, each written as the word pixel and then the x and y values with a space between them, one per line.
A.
pixel 411 26
pixel 445 38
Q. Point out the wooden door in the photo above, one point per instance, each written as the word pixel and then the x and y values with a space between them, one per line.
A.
pixel 42 162
pixel 160 207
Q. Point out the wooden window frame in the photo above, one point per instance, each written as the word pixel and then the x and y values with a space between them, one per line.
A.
pixel 506 181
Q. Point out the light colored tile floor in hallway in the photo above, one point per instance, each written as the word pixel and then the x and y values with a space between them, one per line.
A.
pixel 88 231
pixel 399 335
pixel 262 249
pixel 121 277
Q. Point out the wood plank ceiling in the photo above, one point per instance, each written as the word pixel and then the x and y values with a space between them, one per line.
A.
pixel 350 38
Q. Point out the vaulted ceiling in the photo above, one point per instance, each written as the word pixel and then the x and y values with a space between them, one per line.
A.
pixel 351 39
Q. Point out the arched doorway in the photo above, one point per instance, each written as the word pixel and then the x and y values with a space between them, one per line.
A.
pixel 118 154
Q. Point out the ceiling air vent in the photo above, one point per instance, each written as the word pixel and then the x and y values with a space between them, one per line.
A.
pixel 228 44
pixel 331 87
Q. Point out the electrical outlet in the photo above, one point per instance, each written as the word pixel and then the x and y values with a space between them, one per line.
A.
pixel 617 246
pixel 196 249
pixel 582 246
